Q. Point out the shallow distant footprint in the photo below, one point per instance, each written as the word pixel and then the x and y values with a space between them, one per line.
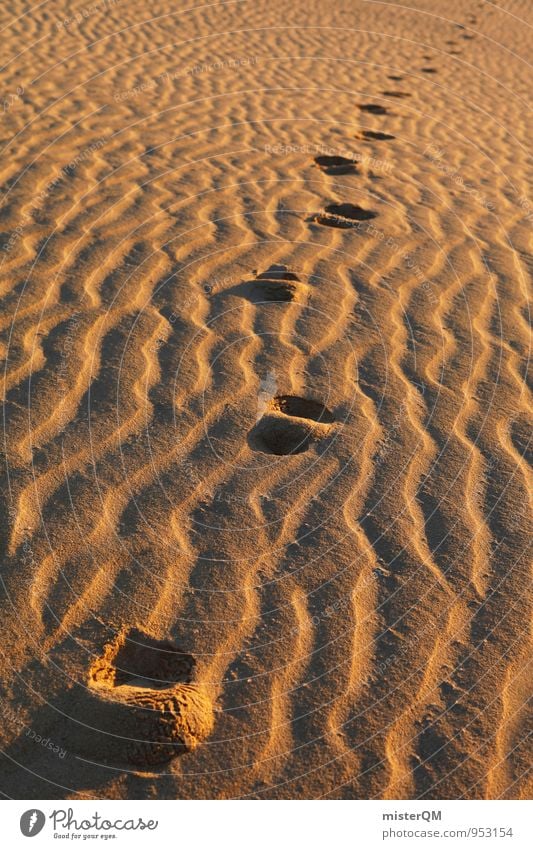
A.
pixel 336 165
pixel 396 94
pixel 342 215
pixel 290 425
pixel 372 135
pixel 373 108
pixel 277 285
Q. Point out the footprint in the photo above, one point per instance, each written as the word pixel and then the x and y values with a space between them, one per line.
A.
pixel 290 425
pixel 336 164
pixel 396 93
pixel 141 703
pixel 277 284
pixel 342 215
pixel 429 70
pixel 394 77
pixel 373 108
pixel 278 272
pixel 375 136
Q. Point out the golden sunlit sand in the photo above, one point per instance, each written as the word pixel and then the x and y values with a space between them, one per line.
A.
pixel 264 333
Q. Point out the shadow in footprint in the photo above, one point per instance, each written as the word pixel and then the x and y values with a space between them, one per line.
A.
pixel 394 77
pixel 342 215
pixel 428 70
pixel 275 435
pixel 398 94
pixel 276 285
pixel 290 425
pixel 141 661
pixel 336 165
pixel 373 108
pixel 372 135
pixel 303 408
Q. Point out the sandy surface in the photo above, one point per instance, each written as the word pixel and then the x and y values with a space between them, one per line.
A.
pixel 270 410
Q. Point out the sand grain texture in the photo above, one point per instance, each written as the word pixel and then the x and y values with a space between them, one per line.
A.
pixel 264 277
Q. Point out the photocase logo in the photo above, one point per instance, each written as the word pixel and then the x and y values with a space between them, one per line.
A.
pixel 32 822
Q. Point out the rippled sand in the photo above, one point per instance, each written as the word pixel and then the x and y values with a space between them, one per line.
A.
pixel 264 333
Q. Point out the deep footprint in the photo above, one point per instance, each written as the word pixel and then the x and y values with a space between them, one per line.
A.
pixel 342 215
pixel 291 425
pixel 141 703
pixel 336 164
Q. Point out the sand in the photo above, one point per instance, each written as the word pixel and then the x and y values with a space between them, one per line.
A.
pixel 264 343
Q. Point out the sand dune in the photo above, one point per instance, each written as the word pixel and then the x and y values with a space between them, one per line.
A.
pixel 265 341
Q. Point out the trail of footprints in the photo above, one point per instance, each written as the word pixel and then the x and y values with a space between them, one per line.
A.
pixel 141 690
pixel 344 216
pixel 292 424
